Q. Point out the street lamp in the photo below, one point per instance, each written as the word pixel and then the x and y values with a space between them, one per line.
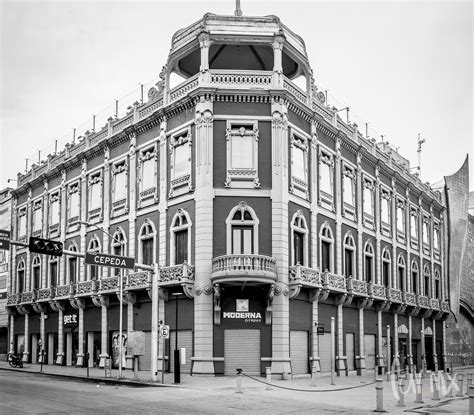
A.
pixel 177 373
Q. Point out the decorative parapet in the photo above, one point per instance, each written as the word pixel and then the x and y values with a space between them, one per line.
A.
pixel 244 268
pixel 294 90
pixel 445 306
pixel 13 299
pixel 334 282
pixel 394 295
pixel 65 291
pixel 138 280
pixel 27 297
pixel 409 299
pixel 86 288
pixel 45 294
pixel 184 88
pixel 109 284
pixel 377 291
pixel 241 79
pixel 299 274
pixel 434 304
pixel 423 301
pixel 357 287
pixel 176 274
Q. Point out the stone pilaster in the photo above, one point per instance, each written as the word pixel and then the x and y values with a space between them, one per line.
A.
pixel 12 334
pixel 435 356
pixel 423 346
pixel 81 338
pixel 83 215
pixel 203 302
pixel 377 277
pixel 380 358
pixel 26 352
pixel 360 359
pixel 104 338
pixel 279 196
pixel 29 221
pixel 410 345
pixel 60 356
pixel 106 271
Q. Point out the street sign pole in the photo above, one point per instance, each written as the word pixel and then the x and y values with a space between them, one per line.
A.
pixel 120 324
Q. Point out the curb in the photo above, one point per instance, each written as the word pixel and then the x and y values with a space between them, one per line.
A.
pixel 111 381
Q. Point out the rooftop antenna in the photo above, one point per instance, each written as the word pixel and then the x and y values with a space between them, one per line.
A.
pixel 238 10
pixel 420 142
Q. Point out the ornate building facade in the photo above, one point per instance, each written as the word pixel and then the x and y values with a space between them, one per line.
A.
pixel 265 212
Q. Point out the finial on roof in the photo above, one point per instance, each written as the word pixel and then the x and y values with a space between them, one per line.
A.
pixel 238 10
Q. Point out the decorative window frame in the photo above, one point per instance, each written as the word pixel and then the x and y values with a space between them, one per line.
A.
pixel 180 213
pixel 20 267
pixel 94 245
pixel 325 199
pixel 95 179
pixel 415 268
pixel 298 224
pixel 37 205
pixel 326 235
pixel 150 195
pixel 54 260
pixel 242 206
pixel 35 263
pixel 437 240
pixel 22 218
pixel 369 218
pixel 150 235
pixel 73 221
pixel 73 248
pixel 414 238
pixel 54 228
pixel 400 212
pixel 369 251
pixel 180 184
pixel 426 230
pixel 246 178
pixel 401 264
pixel 349 244
pixel 387 259
pixel 349 172
pixel 119 239
pixel 385 194
pixel 437 280
pixel 297 186
pixel 427 273
pixel 119 206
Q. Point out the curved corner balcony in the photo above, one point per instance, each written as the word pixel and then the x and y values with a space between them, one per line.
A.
pixel 243 268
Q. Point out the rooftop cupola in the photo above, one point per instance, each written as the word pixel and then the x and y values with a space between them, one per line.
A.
pixel 238 45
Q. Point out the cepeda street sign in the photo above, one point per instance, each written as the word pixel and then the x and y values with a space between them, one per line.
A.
pixel 113 261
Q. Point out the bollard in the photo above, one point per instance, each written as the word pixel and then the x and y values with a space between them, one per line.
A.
pixel 460 384
pixel 268 372
pixel 239 381
pixel 379 395
pixel 419 388
pixel 401 392
pixel 435 384
pixel 313 375
pixel 471 399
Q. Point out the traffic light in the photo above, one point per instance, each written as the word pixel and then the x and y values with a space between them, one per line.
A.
pixel 45 246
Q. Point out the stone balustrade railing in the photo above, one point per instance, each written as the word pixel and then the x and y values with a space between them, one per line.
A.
pixel 137 280
pixel 65 290
pixel 394 295
pixel 45 294
pixel 86 287
pixel 13 299
pixel 304 275
pixel 242 263
pixel 358 287
pixel 434 304
pixel 334 282
pixel 423 301
pixel 377 291
pixel 409 299
pixel 176 273
pixel 27 297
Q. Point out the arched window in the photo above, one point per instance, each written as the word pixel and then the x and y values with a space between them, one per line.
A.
pixel 94 246
pixel 386 266
pixel 21 276
pixel 369 262
pixel 414 277
pixel 437 285
pixel 242 230
pixel 299 240
pixel 401 273
pixel 147 243
pixel 72 266
pixel 326 244
pixel 349 256
pixel 427 280
pixel 36 273
pixel 118 246
pixel 180 234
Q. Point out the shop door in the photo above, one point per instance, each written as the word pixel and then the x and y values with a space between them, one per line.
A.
pixel 350 353
pixel 242 350
pixel 325 358
pixel 299 352
pixel 402 351
pixel 439 354
pixel 369 345
pixel 185 339
pixel 429 353
pixel 144 362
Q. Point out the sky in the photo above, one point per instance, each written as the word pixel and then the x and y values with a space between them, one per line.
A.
pixel 405 67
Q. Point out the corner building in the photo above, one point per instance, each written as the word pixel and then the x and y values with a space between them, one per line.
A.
pixel 267 214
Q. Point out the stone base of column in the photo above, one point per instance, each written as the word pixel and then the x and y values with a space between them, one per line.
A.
pixel 281 368
pixel 361 366
pixel 60 359
pixel 26 356
pixel 129 362
pixel 341 367
pixel 80 360
pixel 102 360
pixel 203 366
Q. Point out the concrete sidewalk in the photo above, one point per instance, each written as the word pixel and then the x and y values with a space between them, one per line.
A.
pixel 356 392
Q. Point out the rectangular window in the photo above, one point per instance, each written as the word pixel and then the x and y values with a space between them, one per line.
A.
pixel 400 218
pixel 368 199
pixel 37 217
pixel 72 270
pixel 74 203
pixel 242 240
pixel 348 187
pixel 147 246
pixel 385 207
pixel 180 163
pixel 414 282
pixel 414 225
pixel 298 164
pixel 368 268
pixel 22 223
pixel 401 279
pixel 298 245
pixel 386 273
pixel 181 246
pixel 437 289
pixel 326 179
pixel 119 187
pixel 426 231
pixel 95 192
pixel 53 274
pixel 326 256
pixel 21 281
pixel 36 277
pixel 242 154
pixel 348 263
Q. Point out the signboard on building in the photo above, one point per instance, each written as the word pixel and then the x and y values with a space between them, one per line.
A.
pixel 70 320
pixel 113 261
pixel 4 239
pixel 136 343
pixel 165 331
